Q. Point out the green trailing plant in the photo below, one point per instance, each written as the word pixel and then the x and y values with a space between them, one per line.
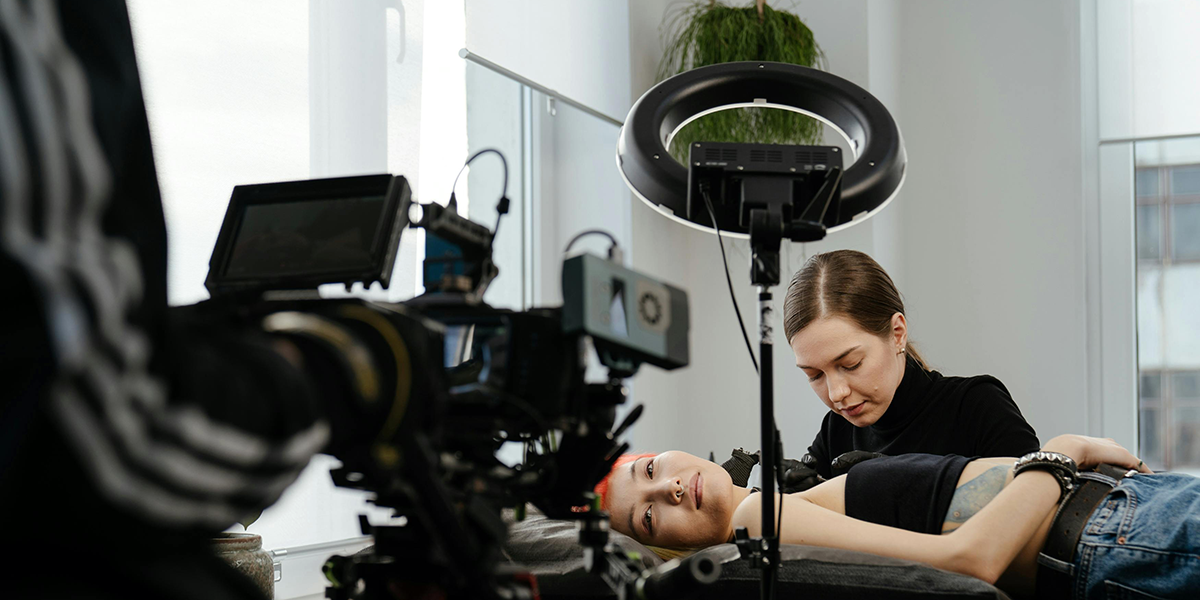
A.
pixel 699 34
pixel 249 520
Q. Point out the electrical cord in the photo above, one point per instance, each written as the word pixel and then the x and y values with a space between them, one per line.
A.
pixel 729 280
pixel 779 482
pixel 614 249
pixel 778 466
pixel 588 232
pixel 502 205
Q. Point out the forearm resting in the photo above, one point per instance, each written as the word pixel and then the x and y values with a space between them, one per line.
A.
pixel 990 540
pixel 808 523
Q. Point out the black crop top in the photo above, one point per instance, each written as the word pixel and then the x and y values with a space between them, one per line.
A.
pixel 910 491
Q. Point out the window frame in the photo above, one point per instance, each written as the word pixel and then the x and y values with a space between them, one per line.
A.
pixel 1108 135
pixel 1165 200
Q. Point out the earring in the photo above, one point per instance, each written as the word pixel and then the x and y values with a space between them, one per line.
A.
pixel 900 351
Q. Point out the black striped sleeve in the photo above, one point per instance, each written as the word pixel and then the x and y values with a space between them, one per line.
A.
pixel 182 426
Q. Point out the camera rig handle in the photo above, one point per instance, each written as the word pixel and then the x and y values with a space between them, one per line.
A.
pixel 623 571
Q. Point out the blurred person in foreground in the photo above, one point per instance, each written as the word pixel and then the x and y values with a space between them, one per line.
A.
pixel 130 432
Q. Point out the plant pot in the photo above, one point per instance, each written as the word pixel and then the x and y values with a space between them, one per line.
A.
pixel 245 552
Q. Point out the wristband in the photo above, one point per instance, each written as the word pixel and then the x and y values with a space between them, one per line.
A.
pixel 1061 466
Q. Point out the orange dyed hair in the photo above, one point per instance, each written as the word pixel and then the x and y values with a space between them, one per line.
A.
pixel 602 487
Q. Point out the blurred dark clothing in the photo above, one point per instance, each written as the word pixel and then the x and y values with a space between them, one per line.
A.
pixel 129 432
pixel 933 414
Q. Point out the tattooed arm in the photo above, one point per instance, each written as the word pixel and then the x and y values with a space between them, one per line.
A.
pixel 979 483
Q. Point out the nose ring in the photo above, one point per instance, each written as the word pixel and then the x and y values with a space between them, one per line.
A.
pixel 679 493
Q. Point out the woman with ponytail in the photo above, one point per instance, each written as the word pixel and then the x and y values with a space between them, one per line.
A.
pixel 845 322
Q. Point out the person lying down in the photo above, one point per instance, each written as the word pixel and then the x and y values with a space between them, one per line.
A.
pixel 987 517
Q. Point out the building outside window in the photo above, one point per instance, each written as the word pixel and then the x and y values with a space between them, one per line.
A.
pixel 1167 189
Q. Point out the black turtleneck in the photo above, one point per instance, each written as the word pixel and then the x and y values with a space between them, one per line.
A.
pixel 933 414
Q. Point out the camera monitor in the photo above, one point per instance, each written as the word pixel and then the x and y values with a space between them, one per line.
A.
pixel 297 235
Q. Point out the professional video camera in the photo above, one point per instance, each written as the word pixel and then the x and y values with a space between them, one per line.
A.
pixel 433 386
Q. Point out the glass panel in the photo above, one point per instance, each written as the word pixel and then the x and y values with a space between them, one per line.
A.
pixel 1147 183
pixel 1150 316
pixel 1186 428
pixel 1150 386
pixel 577 187
pixel 1149 232
pixel 1168 290
pixel 561 180
pixel 1149 426
pixel 1185 180
pixel 1185 231
pixel 495 119
pixel 1185 385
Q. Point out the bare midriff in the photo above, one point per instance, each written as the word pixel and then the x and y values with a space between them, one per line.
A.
pixel 1020 576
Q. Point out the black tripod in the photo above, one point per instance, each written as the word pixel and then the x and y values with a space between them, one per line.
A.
pixel 767 232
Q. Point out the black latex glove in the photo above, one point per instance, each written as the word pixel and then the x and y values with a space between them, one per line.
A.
pixel 842 463
pixel 799 475
pixel 739 465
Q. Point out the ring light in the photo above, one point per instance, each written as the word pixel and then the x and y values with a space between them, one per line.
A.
pixel 766 192
pixel 867 185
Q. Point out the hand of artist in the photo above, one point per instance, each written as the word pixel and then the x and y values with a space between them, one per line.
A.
pixel 798 476
pixel 843 462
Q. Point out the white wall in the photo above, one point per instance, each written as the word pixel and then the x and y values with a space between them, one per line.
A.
pixel 985 242
pixel 578 48
pixel 591 51
pixel 993 204
pixel 713 404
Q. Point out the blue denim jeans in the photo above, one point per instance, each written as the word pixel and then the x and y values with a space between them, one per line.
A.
pixel 1142 541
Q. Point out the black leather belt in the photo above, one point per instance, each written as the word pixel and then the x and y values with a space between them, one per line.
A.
pixel 1068 525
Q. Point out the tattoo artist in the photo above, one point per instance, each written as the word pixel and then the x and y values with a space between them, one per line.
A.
pixel 844 320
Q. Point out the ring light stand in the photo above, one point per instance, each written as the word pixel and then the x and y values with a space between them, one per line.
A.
pixel 766 192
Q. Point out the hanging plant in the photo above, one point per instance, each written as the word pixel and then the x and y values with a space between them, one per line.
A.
pixel 708 33
pixel 249 519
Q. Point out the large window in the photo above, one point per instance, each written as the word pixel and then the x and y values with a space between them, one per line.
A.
pixel 276 90
pixel 226 89
pixel 1167 190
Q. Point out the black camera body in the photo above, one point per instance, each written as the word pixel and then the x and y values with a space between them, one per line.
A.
pixel 429 389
